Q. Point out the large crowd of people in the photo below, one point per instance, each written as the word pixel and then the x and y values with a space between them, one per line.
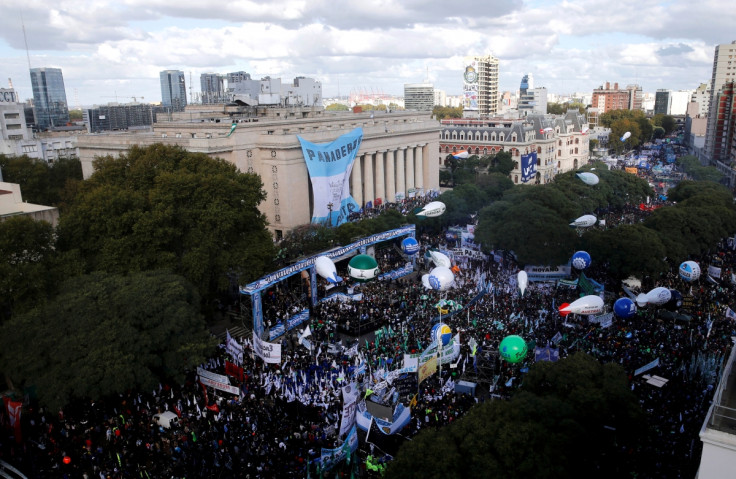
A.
pixel 284 414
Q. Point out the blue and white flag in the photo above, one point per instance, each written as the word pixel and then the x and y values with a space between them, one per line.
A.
pixel 329 166
pixel 528 166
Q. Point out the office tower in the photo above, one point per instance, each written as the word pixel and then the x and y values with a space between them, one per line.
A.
pixel 49 98
pixel 662 102
pixel 635 97
pixel 701 96
pixel 718 121
pixel 480 87
pixel 213 88
pixel 173 90
pixel 531 100
pixel 419 96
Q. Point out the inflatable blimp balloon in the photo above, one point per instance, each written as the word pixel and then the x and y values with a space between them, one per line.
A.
pixel 658 296
pixel 675 301
pixel 523 281
pixel 513 348
pixel 586 305
pixel 584 221
pixel 432 209
pixel 624 308
pixel 363 268
pixel 581 260
pixel 440 278
pixel 441 333
pixel 689 271
pixel 326 268
pixel 440 259
pixel 626 136
pixel 642 300
pixel 410 246
pixel 588 178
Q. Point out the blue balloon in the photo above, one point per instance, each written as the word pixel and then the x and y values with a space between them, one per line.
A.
pixel 581 260
pixel 441 333
pixel 410 246
pixel 624 308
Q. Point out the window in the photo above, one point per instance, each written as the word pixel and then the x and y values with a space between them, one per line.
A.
pixel 12 116
pixel 279 235
pixel 14 126
pixel 269 132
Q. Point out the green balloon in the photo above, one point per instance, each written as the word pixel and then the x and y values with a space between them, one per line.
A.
pixel 363 268
pixel 513 348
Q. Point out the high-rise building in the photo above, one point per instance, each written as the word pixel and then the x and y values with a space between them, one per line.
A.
pixel 701 96
pixel 723 72
pixel 527 83
pixel 418 96
pixel 635 97
pixel 173 90
pixel 212 88
pixel 480 87
pixel 662 102
pixel 531 100
pixel 49 98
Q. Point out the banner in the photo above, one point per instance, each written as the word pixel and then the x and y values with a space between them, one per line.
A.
pixel 714 272
pixel 222 386
pixel 427 369
pixel 268 352
pixel 547 273
pixel 528 167
pixel 203 373
pixel 408 268
pixel 647 367
pixel 330 457
pixel 14 409
pixel 329 166
pixel 349 401
pixel 234 349
pixel 291 322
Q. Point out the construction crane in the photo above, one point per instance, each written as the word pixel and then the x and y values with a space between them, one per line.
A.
pixel 135 98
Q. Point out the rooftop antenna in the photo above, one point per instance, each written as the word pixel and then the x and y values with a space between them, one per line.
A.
pixel 25 39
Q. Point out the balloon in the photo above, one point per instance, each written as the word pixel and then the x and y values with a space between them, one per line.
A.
pixel 584 221
pixel 363 268
pixel 513 348
pixel 326 268
pixel 430 210
pixel 441 333
pixel 689 271
pixel 588 178
pixel 67 460
pixel 523 280
pixel 440 259
pixel 658 296
pixel 642 300
pixel 563 309
pixel 624 308
pixel 440 278
pixel 410 246
pixel 581 260
pixel 626 136
pixel 675 301
pixel 425 281
pixel 586 305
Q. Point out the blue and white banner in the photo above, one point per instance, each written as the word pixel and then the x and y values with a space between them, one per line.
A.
pixel 528 166
pixel 291 323
pixel 329 166
pixel 330 457
pixel 343 297
pixel 408 268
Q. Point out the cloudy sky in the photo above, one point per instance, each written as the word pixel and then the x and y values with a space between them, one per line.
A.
pixel 118 47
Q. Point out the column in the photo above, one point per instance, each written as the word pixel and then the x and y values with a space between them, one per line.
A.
pixel 380 177
pixel 368 178
pixel 390 177
pixel 356 181
pixel 409 169
pixel 400 182
pixel 418 167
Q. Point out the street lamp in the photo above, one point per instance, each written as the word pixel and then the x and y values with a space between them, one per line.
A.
pixel 329 217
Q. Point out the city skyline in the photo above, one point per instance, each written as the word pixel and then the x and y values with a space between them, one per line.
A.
pixel 112 51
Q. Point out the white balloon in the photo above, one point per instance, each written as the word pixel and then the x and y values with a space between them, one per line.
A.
pixel 440 259
pixel 440 278
pixel 658 296
pixel 586 305
pixel 326 268
pixel 584 221
pixel 425 281
pixel 430 210
pixel 642 300
pixel 588 178
pixel 523 280
pixel 626 136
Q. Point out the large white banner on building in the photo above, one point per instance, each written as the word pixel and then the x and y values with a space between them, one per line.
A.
pixel 349 402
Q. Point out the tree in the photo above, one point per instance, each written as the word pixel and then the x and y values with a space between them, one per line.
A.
pixel 30 265
pixel 666 122
pixel 628 250
pixel 41 182
pixel 163 207
pixel 502 162
pixel 337 107
pixel 442 112
pixel 573 418
pixel 104 334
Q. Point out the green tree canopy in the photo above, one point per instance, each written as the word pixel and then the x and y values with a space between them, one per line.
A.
pixel 163 207
pixel 442 112
pixel 337 107
pixel 41 182
pixel 666 122
pixel 558 425
pixel 104 334
pixel 627 249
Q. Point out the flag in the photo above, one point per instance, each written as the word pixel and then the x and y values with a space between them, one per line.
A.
pixel 14 409
pixel 730 314
pixel 412 403
pixel 460 154
pixel 232 129
pixel 305 333
pixel 510 382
